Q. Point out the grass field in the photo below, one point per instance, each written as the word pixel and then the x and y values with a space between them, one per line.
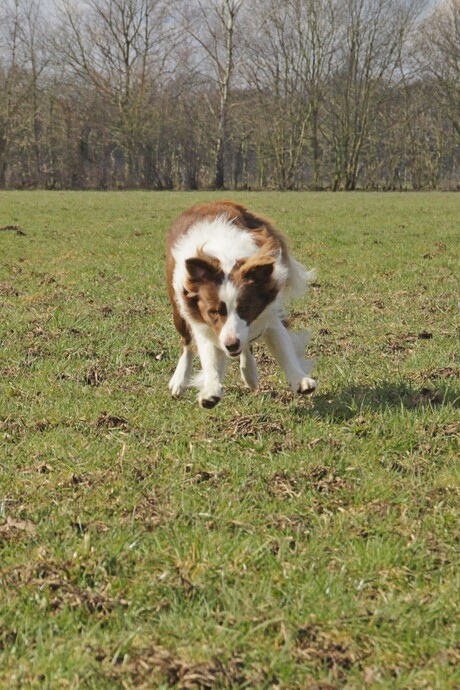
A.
pixel 272 542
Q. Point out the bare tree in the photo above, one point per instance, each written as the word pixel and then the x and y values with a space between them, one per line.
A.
pixel 212 25
pixel 121 48
pixel 315 26
pixel 370 39
pixel 22 61
pixel 440 54
pixel 288 64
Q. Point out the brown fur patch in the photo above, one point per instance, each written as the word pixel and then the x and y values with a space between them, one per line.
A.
pixel 256 286
pixel 205 275
pixel 202 270
pixel 205 306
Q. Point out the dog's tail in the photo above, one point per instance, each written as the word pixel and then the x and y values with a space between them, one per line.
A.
pixel 298 279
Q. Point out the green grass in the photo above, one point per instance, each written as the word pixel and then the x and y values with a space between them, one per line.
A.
pixel 274 541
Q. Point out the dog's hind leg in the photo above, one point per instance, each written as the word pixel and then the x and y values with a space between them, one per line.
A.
pixel 300 340
pixel 282 347
pixel 248 368
pixel 181 378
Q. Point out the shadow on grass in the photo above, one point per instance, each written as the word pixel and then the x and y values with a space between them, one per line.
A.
pixel 349 402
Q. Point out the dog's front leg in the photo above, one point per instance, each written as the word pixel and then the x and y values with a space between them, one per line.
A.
pixel 213 365
pixel 280 344
pixel 181 377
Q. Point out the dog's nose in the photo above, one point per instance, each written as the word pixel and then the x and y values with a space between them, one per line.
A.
pixel 233 347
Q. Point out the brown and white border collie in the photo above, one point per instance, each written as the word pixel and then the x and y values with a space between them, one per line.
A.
pixel 229 275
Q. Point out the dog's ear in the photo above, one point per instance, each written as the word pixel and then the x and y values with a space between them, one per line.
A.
pixel 203 269
pixel 258 269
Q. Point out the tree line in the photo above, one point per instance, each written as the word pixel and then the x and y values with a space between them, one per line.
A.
pixel 242 94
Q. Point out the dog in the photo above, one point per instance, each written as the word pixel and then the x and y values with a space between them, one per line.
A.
pixel 229 275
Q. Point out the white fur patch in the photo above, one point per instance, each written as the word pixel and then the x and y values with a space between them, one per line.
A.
pixel 235 328
pixel 219 238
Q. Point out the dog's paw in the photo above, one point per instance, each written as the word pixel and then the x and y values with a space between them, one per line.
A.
pixel 210 398
pixel 209 403
pixel 306 386
pixel 177 387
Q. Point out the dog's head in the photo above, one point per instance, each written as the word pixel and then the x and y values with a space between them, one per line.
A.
pixel 230 303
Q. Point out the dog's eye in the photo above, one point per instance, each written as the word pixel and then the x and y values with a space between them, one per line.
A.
pixel 222 311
